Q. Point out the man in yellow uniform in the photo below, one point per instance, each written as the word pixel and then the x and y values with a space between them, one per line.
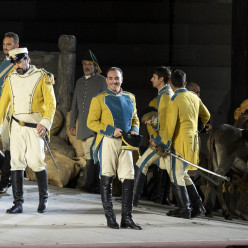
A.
pixel 29 91
pixel 113 113
pixel 181 136
pixel 160 81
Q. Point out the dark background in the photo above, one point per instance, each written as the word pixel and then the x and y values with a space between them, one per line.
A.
pixel 205 38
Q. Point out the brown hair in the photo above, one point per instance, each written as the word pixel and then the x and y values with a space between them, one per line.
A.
pixel 14 36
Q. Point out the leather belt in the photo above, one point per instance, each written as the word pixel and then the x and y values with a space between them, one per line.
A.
pixel 26 124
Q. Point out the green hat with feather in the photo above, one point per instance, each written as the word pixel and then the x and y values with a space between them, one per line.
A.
pixel 89 56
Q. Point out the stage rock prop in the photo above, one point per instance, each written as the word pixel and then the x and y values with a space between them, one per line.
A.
pixel 66 73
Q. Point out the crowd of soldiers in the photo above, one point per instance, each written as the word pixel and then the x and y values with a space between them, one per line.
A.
pixel 108 128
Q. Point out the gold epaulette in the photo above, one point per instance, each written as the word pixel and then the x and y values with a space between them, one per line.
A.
pixel 49 77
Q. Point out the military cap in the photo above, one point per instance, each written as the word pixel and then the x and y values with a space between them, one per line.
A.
pixel 18 54
pixel 89 56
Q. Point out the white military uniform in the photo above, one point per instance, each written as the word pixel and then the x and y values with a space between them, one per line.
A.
pixel 26 147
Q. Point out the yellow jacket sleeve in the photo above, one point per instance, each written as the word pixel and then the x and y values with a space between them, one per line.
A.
pixel 135 119
pixel 170 124
pixel 44 102
pixel 99 118
pixel 204 114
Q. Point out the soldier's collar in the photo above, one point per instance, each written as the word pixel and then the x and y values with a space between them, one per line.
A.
pixel 110 92
pixel 89 76
pixel 180 90
pixel 166 87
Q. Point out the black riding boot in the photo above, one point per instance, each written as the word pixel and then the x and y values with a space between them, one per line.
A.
pixel 196 201
pixel 166 199
pixel 96 188
pixel 127 204
pixel 2 157
pixel 90 176
pixel 139 180
pixel 5 182
pixel 106 195
pixel 17 188
pixel 183 202
pixel 42 182
pixel 159 187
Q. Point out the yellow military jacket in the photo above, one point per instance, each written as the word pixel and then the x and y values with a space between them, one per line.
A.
pixel 109 111
pixel 43 99
pixel 181 128
pixel 164 96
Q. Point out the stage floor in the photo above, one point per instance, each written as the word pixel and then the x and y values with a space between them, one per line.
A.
pixel 76 219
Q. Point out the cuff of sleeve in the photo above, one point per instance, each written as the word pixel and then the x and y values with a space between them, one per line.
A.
pixel 72 125
pixel 166 146
pixel 46 123
pixel 109 131
pixel 158 140
pixel 136 129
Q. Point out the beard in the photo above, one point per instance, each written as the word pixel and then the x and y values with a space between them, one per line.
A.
pixel 21 71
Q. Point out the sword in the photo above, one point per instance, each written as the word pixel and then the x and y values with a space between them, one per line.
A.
pixel 199 167
pixel 48 148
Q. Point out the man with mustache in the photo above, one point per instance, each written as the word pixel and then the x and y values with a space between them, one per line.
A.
pixel 29 93
pixel 88 86
pixel 10 41
pixel 113 113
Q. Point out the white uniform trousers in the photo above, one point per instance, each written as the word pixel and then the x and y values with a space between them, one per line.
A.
pixel 178 173
pixel 114 159
pixel 150 157
pixel 5 135
pixel 87 146
pixel 26 148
